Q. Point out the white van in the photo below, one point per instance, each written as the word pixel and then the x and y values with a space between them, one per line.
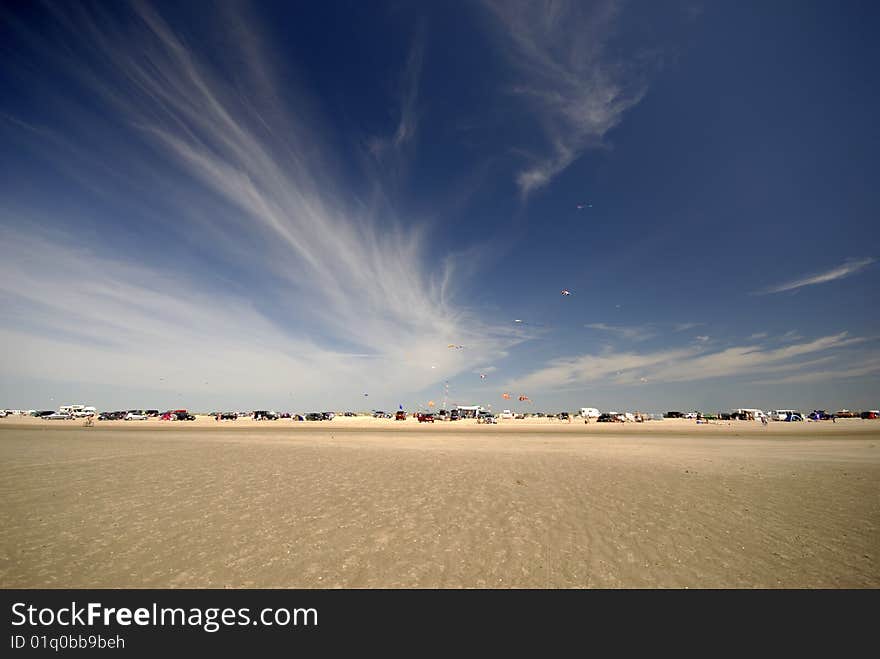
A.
pixel 506 414
pixel 70 409
pixel 782 415
pixel 589 413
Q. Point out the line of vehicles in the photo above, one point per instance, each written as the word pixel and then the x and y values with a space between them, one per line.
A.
pixel 480 414
pixel 68 412
pixel 753 414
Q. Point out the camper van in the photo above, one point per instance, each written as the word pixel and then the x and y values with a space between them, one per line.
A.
pixel 589 413
pixel 71 409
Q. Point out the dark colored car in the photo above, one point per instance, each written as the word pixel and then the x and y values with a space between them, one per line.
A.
pixel 400 415
pixel 425 417
pixel 349 414
pixel 820 415
pixel 872 414
pixel 314 416
pixel 673 415
pixel 182 415
pixel 608 418
pixel 454 415
pixel 265 415
pixel 41 413
pixel 563 416
pixel 228 416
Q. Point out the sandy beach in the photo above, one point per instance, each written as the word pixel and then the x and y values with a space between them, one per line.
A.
pixel 368 503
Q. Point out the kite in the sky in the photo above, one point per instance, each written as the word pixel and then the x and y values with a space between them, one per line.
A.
pixel 482 376
pixel 565 291
pixel 523 398
pixel 581 207
pixel 505 396
pixel 454 346
pixel 430 403
pixel 517 320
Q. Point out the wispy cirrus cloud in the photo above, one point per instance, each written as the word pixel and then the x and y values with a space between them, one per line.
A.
pixel 693 363
pixel 848 268
pixel 408 121
pixel 635 333
pixel 868 365
pixel 233 162
pixel 577 89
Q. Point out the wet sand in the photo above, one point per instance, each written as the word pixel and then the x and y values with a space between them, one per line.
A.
pixel 366 503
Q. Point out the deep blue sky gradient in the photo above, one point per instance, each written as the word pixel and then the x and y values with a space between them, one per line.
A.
pixel 750 161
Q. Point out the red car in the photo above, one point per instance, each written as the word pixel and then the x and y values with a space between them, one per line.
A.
pixel 424 417
pixel 400 416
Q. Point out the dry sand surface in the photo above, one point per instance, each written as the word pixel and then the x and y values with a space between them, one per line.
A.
pixel 366 503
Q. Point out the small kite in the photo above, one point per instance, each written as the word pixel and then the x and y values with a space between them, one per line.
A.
pixel 505 396
pixel 482 376
pixel 524 398
pixel 365 395
pixel 454 346
pixel 430 403
pixel 581 207
pixel 565 291
pixel 517 320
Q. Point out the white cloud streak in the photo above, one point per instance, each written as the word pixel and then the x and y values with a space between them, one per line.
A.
pixel 359 275
pixel 628 333
pixel 688 364
pixel 577 90
pixel 850 267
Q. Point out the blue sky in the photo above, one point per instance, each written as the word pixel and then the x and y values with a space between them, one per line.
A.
pixel 290 206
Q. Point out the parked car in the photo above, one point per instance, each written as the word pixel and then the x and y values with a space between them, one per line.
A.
pixel 673 415
pixel 43 413
pixel 182 415
pixel 328 416
pixel 563 416
pixel 609 418
pixel 265 415
pixel 349 414
pixel 794 416
pixel 58 415
pixel 454 415
pixel 132 416
pixel 844 414
pixel 426 417
pixel 871 414
pixel 820 415
pixel 314 416
pixel 486 417
pixel 400 415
